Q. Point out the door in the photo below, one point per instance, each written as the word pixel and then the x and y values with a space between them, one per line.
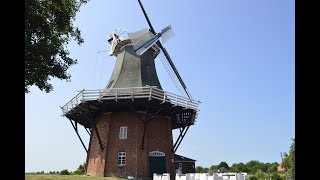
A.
pixel 157 163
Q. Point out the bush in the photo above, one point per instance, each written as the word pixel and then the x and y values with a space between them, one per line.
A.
pixel 253 177
pixel 275 176
pixel 65 172
pixel 260 175
pixel 81 169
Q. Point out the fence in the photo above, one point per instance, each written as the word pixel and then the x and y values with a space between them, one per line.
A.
pixel 203 176
pixel 149 92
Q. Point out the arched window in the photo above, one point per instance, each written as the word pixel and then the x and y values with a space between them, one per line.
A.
pixel 157 153
pixel 123 132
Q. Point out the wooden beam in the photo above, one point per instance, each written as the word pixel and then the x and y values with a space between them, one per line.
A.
pixel 76 130
pixel 183 132
pixel 93 124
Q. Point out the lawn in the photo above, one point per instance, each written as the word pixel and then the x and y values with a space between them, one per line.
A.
pixel 66 177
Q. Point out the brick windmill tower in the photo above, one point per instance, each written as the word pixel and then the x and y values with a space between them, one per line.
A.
pixel 130 121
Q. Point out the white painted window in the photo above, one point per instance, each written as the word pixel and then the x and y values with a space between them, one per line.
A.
pixel 121 158
pixel 123 132
pixel 180 165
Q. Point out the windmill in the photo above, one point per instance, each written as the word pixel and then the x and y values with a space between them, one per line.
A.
pixel 165 52
pixel 130 121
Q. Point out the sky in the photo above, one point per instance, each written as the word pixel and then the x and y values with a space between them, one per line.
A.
pixel 235 56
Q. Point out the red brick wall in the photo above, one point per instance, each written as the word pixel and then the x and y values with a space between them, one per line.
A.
pixel 96 164
pixel 117 145
pixel 158 137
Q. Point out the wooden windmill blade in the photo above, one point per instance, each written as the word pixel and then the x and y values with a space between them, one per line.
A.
pixel 145 14
pixel 174 69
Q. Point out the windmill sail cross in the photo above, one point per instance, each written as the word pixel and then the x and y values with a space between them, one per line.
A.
pixel 165 34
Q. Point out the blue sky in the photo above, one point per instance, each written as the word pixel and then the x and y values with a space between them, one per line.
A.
pixel 236 57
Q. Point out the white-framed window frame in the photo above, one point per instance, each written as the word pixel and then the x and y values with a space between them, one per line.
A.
pixel 121 159
pixel 123 132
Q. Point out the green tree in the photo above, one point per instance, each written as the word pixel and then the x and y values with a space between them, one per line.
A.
pixel 260 174
pixel 255 168
pixel 288 162
pixel 64 172
pixel 251 164
pixel 240 167
pixel 273 167
pixel 292 158
pixel 253 177
pixel 81 169
pixel 48 29
pixel 275 176
pixel 234 168
pixel 214 167
pixel 200 169
pixel 223 164
pixel 264 166
pixel 285 162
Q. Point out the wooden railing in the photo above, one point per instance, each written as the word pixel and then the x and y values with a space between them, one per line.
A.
pixel 150 92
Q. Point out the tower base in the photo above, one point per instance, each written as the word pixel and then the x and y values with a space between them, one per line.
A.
pixel 143 147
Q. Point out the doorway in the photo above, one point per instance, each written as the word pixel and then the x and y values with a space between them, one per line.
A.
pixel 157 163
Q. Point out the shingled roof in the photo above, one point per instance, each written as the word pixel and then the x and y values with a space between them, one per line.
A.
pixel 179 158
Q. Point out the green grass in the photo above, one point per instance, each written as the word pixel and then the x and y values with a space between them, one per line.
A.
pixel 66 177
